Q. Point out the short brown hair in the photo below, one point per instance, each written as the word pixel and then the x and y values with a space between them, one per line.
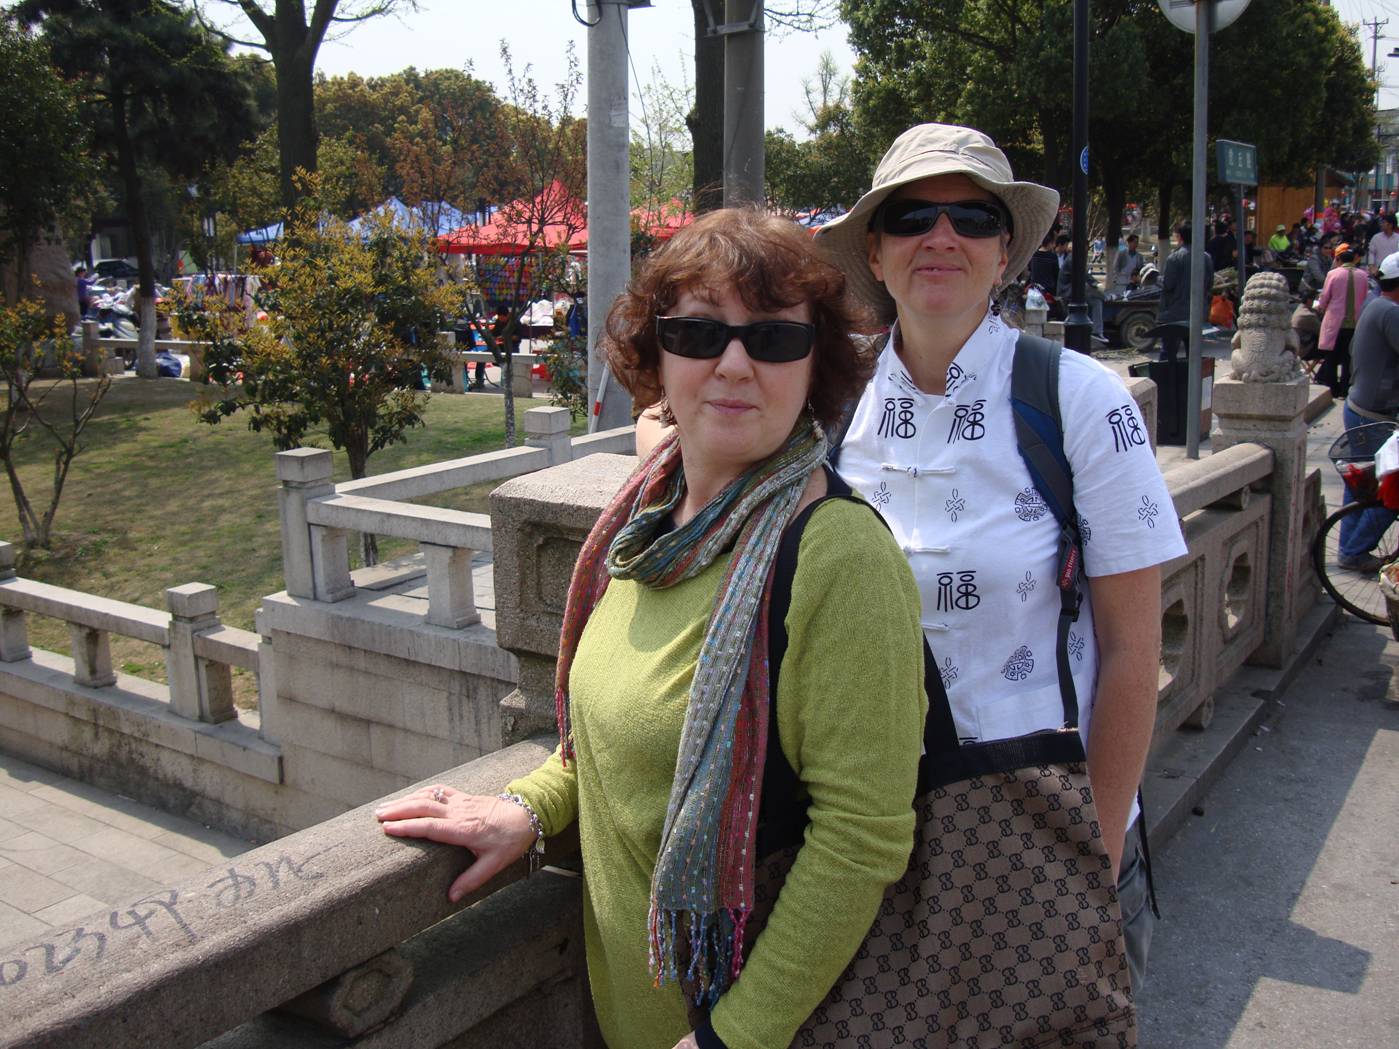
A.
pixel 773 265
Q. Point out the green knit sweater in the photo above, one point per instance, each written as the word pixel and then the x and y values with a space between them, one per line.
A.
pixel 850 711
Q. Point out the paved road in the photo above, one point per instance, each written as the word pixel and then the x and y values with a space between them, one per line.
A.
pixel 1282 900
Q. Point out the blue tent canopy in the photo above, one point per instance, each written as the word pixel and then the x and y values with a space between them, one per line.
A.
pixel 436 219
pixel 266 235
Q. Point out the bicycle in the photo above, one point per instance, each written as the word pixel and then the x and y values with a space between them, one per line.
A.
pixel 1358 592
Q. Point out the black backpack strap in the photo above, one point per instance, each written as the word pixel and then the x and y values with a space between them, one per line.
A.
pixel 1039 434
pixel 781 819
pixel 1146 855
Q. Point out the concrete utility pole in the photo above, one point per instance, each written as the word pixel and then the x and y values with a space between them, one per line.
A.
pixel 1078 326
pixel 1374 26
pixel 743 102
pixel 609 204
pixel 1204 26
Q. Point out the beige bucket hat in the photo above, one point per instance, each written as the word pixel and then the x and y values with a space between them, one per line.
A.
pixel 920 152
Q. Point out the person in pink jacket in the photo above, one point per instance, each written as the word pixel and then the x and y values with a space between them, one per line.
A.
pixel 1342 298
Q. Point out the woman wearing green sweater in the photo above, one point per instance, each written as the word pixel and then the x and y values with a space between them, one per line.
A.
pixel 739 332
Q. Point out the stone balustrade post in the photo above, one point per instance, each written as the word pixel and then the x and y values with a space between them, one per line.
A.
pixel 14 633
pixel 196 361
pixel 269 706
pixel 547 428
pixel 199 690
pixel 1264 401
pixel 330 564
pixel 92 656
pixel 521 382
pixel 539 522
pixel 304 474
pixel 451 599
pixel 446 350
pixel 93 358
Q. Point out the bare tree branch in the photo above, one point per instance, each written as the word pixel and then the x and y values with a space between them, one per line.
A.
pixel 803 16
pixel 223 34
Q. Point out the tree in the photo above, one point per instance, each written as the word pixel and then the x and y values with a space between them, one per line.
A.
pixel 59 409
pixel 43 161
pixel 662 167
pixel 292 38
pixel 351 335
pixel 1004 66
pixel 452 150
pixel 158 92
pixel 831 167
pixel 528 239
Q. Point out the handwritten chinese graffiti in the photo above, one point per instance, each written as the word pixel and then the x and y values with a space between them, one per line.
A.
pixel 147 922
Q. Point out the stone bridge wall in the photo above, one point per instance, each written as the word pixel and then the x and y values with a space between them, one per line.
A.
pixel 341 929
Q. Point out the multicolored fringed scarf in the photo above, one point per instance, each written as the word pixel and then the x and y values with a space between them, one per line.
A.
pixel 702 888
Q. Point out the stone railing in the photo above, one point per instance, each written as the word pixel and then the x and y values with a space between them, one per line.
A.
pixel 187 723
pixel 329 932
pixel 107 355
pixel 366 682
pixel 340 927
pixel 318 516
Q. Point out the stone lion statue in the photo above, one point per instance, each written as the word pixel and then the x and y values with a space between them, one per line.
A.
pixel 1265 346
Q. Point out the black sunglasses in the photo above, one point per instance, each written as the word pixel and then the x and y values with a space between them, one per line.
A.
pixel 772 342
pixel 913 218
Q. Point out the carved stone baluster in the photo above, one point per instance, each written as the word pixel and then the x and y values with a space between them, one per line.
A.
pixel 92 657
pixel 14 634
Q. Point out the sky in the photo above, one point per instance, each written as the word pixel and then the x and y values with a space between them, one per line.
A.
pixel 1359 11
pixel 451 33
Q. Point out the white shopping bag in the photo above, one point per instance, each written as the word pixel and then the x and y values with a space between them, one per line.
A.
pixel 1387 458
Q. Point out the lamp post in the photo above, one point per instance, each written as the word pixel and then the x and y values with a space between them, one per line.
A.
pixel 1078 327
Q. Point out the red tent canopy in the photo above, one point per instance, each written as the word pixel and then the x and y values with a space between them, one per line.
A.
pixel 665 221
pixel 554 219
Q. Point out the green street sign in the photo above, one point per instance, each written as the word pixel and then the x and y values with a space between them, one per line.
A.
pixel 1238 162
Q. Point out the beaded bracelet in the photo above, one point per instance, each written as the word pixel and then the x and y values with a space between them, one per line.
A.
pixel 537 849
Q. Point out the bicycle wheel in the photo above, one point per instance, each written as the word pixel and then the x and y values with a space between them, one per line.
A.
pixel 1356 592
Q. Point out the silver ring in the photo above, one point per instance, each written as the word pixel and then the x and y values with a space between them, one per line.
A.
pixel 439 795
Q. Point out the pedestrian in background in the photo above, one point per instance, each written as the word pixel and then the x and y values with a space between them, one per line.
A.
pixel 1383 244
pixel 1128 265
pixel 1175 294
pixel 1342 299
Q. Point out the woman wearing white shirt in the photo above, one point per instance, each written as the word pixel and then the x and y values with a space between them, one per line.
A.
pixel 932 445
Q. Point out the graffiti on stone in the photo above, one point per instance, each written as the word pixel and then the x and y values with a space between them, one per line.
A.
pixel 143 922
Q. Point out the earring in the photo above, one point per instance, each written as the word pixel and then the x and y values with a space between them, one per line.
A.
pixel 816 427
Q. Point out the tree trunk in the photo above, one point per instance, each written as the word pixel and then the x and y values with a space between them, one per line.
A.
pixel 1163 220
pixel 1054 147
pixel 24 509
pixel 507 387
pixel 140 234
pixel 706 120
pixel 295 60
pixel 1115 193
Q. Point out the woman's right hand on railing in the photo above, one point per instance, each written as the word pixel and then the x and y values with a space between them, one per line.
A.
pixel 497 832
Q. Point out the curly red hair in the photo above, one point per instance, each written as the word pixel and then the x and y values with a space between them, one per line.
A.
pixel 772 264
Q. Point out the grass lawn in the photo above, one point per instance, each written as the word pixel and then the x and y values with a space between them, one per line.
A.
pixel 158 499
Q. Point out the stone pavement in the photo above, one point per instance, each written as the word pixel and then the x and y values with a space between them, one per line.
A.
pixel 1280 895
pixel 68 850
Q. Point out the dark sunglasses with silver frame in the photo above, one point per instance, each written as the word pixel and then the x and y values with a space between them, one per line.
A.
pixel 914 218
pixel 772 342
